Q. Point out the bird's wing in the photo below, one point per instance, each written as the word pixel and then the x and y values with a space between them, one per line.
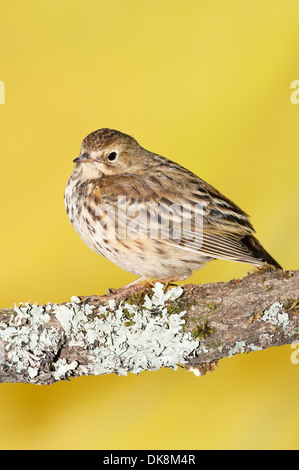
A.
pixel 193 217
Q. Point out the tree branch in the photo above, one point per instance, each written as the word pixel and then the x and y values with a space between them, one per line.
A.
pixel 194 326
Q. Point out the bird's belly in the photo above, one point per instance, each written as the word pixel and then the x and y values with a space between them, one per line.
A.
pixel 139 255
pixel 151 258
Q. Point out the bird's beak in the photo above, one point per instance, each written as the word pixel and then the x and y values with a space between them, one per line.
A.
pixel 84 157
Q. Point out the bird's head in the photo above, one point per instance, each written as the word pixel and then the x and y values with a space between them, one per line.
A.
pixel 110 152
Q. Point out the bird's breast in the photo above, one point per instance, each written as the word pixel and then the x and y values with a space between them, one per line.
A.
pixel 85 217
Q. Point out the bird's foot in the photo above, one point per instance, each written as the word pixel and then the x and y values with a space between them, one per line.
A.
pixel 143 283
pixel 140 284
pixel 170 280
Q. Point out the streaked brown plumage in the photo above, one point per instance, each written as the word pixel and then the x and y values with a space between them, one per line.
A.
pixel 114 172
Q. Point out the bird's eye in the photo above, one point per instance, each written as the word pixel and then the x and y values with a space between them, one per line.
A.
pixel 112 156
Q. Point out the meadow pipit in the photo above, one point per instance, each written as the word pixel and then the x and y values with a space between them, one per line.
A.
pixel 149 215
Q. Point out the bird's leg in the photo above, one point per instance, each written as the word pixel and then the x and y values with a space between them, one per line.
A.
pixel 142 282
pixel 139 284
pixel 113 293
pixel 122 292
pixel 171 280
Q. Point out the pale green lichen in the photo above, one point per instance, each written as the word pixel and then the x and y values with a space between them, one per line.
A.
pixel 241 347
pixel 276 316
pixel 238 348
pixel 112 344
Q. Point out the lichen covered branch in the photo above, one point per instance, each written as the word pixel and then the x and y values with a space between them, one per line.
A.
pixel 162 326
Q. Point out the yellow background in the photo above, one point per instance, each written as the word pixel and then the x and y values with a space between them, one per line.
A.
pixel 206 84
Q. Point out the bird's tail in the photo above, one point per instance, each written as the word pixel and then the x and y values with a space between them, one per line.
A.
pixel 258 251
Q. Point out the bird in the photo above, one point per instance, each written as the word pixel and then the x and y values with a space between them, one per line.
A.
pixel 149 215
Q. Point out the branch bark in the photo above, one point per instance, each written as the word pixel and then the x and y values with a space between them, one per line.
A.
pixel 194 326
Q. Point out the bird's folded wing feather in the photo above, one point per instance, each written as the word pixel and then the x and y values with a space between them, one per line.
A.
pixel 192 217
